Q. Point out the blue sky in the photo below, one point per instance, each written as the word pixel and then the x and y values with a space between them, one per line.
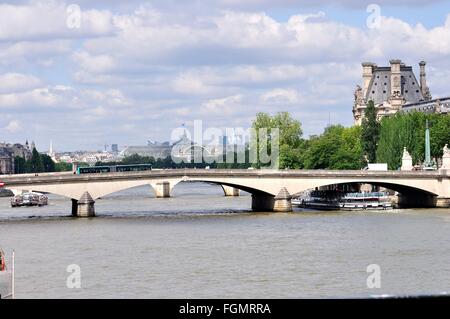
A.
pixel 137 70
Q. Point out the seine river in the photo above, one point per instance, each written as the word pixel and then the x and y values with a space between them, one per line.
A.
pixel 200 244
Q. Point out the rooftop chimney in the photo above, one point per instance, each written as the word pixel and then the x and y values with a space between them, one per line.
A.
pixel 396 87
pixel 368 68
pixel 423 79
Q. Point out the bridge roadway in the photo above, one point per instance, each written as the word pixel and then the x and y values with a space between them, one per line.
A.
pixel 271 189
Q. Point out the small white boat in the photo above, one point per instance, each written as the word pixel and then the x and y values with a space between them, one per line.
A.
pixel 323 200
pixel 366 201
pixel 6 277
pixel 317 200
pixel 29 199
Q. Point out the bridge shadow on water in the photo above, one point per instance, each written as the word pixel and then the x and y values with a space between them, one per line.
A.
pixel 189 200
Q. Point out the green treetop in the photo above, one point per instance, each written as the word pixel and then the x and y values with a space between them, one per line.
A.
pixel 370 132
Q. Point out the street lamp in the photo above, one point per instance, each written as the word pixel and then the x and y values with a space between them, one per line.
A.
pixel 428 164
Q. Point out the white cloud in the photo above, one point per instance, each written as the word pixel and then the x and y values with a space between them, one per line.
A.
pixel 146 68
pixel 13 54
pixel 16 82
pixel 44 20
pixel 281 96
pixel 13 126
pixel 228 105
pixel 64 98
pixel 94 64
pixel 189 84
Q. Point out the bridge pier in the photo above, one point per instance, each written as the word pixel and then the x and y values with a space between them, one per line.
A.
pixel 443 202
pixel 267 203
pixel 262 203
pixel 74 207
pixel 230 191
pixel 282 202
pixel 416 200
pixel 162 189
pixel 84 207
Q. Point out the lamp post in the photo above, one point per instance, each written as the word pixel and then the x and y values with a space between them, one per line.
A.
pixel 428 164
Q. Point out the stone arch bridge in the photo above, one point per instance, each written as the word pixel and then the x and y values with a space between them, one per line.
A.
pixel 271 189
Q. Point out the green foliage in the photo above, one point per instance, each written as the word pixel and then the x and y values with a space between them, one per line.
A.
pixel 47 163
pixel 408 130
pixel 36 165
pixel 166 162
pixel 63 167
pixel 370 132
pixel 337 148
pixel 20 165
pixel 136 159
pixel 290 132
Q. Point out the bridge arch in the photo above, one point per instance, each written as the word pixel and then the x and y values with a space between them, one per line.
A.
pixel 398 187
pixel 409 196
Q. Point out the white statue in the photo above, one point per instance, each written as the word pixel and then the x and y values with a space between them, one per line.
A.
pixel 446 158
pixel 406 154
pixel 406 161
pixel 446 150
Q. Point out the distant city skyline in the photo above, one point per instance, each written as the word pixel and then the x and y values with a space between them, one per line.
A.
pixel 126 73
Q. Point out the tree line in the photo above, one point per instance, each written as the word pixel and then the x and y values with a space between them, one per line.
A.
pixel 338 147
pixel 38 163
pixel 354 147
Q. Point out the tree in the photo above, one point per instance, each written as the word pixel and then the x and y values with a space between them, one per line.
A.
pixel 290 132
pixel 370 132
pixel 20 165
pixel 337 148
pixel 47 163
pixel 408 130
pixel 63 167
pixel 36 165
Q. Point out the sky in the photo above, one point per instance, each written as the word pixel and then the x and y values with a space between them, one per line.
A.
pixel 88 73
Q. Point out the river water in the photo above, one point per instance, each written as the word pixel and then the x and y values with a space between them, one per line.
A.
pixel 200 244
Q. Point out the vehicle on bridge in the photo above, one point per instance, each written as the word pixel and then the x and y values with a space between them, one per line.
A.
pixel 113 169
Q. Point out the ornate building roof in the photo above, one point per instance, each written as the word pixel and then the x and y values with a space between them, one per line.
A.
pixel 391 88
pixel 379 89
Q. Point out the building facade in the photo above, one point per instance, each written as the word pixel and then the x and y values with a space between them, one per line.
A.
pixel 6 161
pixel 393 89
pixel 8 152
pixel 182 150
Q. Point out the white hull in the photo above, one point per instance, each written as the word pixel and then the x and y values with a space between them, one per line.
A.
pixel 366 206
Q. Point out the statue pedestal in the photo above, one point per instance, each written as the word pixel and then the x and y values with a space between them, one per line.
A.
pixel 446 161
pixel 407 164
